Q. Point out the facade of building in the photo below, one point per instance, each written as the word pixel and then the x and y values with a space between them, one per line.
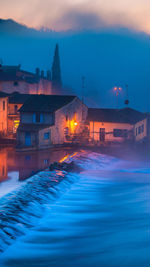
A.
pixel 50 120
pixel 115 125
pixel 15 102
pixel 3 114
pixel 141 130
pixel 13 79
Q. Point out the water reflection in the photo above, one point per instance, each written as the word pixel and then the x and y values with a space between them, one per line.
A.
pixel 25 164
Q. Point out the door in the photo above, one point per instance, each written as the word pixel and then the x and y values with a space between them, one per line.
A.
pixel 102 134
pixel 28 139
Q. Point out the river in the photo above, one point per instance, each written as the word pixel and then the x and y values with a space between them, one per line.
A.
pixel 15 167
pixel 99 216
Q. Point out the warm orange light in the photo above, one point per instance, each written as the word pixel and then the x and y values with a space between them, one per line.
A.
pixel 75 123
pixel 64 158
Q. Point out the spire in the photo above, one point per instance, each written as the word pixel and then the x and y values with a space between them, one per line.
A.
pixel 56 72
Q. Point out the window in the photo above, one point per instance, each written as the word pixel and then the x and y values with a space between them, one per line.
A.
pixel 15 83
pixel 120 132
pixel 66 117
pixel 16 109
pixel 139 129
pixel 46 136
pixel 136 131
pixel 38 117
pixel 3 105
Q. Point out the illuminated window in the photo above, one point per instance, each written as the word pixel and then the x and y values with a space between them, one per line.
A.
pixel 16 125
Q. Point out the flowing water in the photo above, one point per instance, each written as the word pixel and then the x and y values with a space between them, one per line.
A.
pixel 98 216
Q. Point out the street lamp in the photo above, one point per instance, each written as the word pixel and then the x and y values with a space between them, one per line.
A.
pixel 117 90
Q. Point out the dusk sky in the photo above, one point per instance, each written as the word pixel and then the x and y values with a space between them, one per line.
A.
pixel 78 14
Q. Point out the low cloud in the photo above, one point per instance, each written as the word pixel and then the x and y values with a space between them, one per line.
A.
pixel 79 14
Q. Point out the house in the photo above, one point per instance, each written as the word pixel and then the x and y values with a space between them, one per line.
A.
pixel 3 114
pixel 114 125
pixel 15 102
pixel 50 120
pixel 14 79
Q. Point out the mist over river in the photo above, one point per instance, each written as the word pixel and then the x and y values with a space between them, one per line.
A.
pixel 98 216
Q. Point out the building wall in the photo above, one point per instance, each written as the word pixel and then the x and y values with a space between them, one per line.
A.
pixel 48 118
pixel 140 130
pixel 9 87
pixel 21 138
pixel 43 141
pixel 12 108
pixel 74 112
pixel 3 115
pixel 43 87
pixel 94 128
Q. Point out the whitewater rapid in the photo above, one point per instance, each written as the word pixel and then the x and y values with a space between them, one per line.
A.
pixel 99 216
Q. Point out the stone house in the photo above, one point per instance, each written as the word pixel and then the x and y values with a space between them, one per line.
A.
pixel 3 114
pixel 14 79
pixel 50 120
pixel 114 125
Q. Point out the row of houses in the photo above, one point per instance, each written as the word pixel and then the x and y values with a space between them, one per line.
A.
pixel 40 121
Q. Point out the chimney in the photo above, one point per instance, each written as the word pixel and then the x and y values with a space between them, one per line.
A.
pixel 42 73
pixel 49 75
pixel 37 72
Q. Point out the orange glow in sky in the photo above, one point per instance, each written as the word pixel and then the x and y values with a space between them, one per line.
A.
pixel 78 14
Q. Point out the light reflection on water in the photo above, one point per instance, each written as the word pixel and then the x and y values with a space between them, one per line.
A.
pixel 25 164
pixel 102 220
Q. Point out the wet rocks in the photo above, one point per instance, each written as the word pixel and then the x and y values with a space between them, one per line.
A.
pixel 62 166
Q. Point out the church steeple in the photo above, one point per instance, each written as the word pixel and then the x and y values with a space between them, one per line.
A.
pixel 56 71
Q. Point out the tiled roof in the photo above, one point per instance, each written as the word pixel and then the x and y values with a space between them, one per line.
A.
pixel 126 115
pixel 2 94
pixel 17 98
pixel 14 73
pixel 46 103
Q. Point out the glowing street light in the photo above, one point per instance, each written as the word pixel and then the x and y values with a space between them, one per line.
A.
pixel 117 90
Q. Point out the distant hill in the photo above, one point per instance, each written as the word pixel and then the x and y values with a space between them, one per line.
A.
pixel 107 58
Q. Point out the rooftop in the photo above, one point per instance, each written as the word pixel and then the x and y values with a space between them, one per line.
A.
pixel 15 73
pixel 17 98
pixel 125 115
pixel 46 103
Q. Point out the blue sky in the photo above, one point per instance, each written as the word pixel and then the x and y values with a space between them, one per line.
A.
pixel 78 14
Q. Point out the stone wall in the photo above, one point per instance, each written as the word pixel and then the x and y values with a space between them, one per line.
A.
pixel 65 118
pixel 42 87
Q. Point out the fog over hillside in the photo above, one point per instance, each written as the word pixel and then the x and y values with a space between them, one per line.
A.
pixel 107 58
